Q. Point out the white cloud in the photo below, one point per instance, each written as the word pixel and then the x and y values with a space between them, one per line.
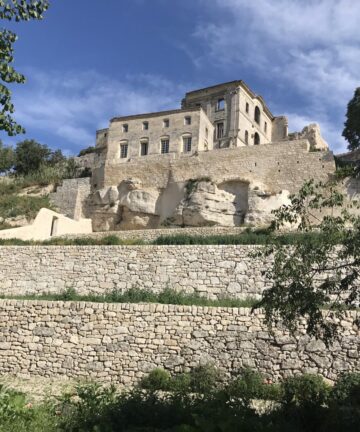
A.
pixel 309 47
pixel 70 106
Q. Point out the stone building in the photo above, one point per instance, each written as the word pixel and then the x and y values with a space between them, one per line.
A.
pixel 224 115
pixel 222 159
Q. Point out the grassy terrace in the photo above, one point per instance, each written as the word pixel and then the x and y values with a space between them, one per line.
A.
pixel 137 295
pixel 256 237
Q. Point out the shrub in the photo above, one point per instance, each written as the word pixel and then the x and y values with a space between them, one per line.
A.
pixel 204 378
pixel 305 389
pixel 86 151
pixel 347 389
pixel 157 379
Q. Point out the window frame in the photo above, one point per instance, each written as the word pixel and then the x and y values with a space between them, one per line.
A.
pixel 162 141
pixel 124 145
pixel 222 129
pixel 142 143
pixel 185 145
pixel 125 128
pixel 166 123
pixel 220 104
pixel 145 125
pixel 187 120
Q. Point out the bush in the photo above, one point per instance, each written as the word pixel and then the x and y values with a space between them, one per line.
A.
pixel 305 390
pixel 347 389
pixel 27 206
pixel 158 379
pixel 251 385
pixel 86 151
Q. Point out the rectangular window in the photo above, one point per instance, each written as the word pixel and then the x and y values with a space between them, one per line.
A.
pixel 220 104
pixel 166 123
pixel 219 130
pixel 187 144
pixel 165 146
pixel 144 148
pixel 187 120
pixel 125 128
pixel 123 151
pixel 265 127
pixel 145 125
pixel 247 107
pixel 206 132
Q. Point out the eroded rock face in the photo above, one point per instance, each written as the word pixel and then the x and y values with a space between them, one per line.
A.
pixel 230 203
pixel 208 205
pixel 125 207
pixel 261 204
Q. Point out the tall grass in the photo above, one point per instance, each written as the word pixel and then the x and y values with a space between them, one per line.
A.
pixel 138 295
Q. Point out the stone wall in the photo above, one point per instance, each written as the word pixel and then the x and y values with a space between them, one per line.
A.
pixel 122 342
pixel 280 166
pixel 212 271
pixel 70 197
pixel 153 234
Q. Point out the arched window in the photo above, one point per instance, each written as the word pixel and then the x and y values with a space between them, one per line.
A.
pixel 257 115
pixel 256 139
pixel 246 137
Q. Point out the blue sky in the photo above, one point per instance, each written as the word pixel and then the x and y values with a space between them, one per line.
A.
pixel 90 60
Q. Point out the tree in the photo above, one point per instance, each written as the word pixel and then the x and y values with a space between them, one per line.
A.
pixel 30 156
pixel 321 270
pixel 351 131
pixel 13 10
pixel 7 158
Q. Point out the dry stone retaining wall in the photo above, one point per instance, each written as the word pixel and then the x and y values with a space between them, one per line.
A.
pixel 212 271
pixel 153 234
pixel 122 342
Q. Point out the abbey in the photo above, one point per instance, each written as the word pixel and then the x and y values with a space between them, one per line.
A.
pixel 221 116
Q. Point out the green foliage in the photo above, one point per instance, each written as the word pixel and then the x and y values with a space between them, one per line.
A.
pixel 347 389
pixel 27 206
pixel 250 384
pixel 30 156
pixel 14 10
pixel 321 268
pixel 351 131
pixel 157 379
pixel 86 151
pixel 138 295
pixel 305 389
pixel 7 158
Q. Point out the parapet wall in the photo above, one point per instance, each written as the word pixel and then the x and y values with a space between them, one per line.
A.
pixel 119 343
pixel 279 166
pixel 212 271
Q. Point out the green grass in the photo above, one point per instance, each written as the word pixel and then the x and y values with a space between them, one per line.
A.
pixel 138 295
pixel 247 238
pixel 28 206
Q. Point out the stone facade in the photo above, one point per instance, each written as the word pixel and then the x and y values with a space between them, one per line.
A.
pixel 175 127
pixel 120 343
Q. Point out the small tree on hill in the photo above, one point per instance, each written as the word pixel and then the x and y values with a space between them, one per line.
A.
pixel 30 156
pixel 351 131
pixel 318 278
pixel 7 158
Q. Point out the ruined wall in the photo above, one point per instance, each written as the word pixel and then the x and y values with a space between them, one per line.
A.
pixel 280 166
pixel 119 343
pixel 70 197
